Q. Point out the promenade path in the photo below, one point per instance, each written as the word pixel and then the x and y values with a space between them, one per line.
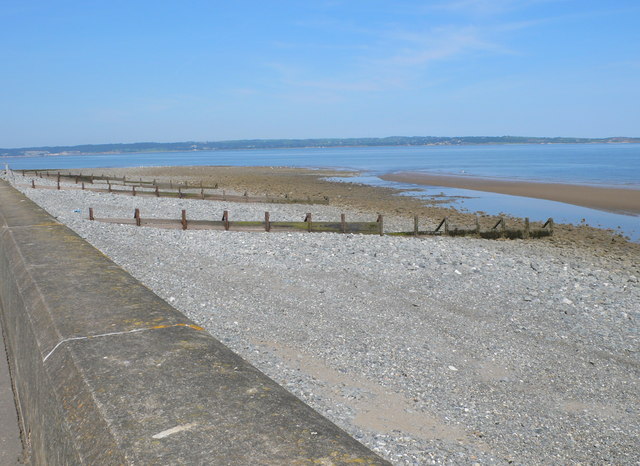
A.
pixel 10 445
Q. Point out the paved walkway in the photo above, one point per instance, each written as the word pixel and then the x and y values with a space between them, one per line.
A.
pixel 10 445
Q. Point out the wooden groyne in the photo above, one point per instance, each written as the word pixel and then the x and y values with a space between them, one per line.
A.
pixel 154 188
pixel 499 230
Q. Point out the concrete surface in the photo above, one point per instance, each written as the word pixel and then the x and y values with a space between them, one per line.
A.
pixel 107 372
pixel 10 444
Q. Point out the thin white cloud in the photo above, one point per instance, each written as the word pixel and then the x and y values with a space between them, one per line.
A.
pixel 443 43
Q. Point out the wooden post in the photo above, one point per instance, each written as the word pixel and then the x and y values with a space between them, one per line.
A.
pixel 526 228
pixel 202 192
pixel 267 222
pixel 76 179
pixel 380 224
pixel 180 192
pixel 136 215
pixel 184 219
pixel 309 222
pixel 446 225
pixel 415 225
pixel 477 225
pixel 343 223
pixel 133 190
pixel 33 184
pixel 157 191
pixel 170 184
pixel 503 228
pixel 58 182
pixel 225 219
pixel 550 223
pixel 91 213
pixel 83 185
pixel 109 185
pixel 224 195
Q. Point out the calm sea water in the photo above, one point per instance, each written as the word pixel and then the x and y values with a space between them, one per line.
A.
pixel 595 164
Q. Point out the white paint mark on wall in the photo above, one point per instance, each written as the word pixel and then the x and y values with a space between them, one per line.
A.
pixel 173 430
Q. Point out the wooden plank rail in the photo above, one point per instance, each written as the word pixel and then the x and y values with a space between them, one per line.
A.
pixel 341 226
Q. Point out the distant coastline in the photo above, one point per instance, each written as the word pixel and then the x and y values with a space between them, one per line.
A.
pixel 249 144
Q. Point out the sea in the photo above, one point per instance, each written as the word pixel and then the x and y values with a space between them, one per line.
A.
pixel 613 165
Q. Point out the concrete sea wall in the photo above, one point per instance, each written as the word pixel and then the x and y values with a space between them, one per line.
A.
pixel 108 373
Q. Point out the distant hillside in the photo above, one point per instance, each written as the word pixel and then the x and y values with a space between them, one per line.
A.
pixel 297 143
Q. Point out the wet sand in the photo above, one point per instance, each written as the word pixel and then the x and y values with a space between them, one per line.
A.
pixel 616 200
pixel 300 183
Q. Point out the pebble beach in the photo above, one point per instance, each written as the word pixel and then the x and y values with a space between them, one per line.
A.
pixel 431 350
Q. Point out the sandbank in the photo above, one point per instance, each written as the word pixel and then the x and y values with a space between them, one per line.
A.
pixel 617 200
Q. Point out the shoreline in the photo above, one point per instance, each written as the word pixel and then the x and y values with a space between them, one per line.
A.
pixel 301 183
pixel 624 201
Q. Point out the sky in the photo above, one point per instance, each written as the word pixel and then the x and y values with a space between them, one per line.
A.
pixel 109 71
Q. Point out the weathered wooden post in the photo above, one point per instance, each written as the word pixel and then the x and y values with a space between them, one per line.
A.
pixel 225 219
pixel 58 182
pixel 415 225
pixel 109 185
pixel 179 192
pixel 184 219
pixel 380 221
pixel 83 185
pixel 33 184
pixel 446 225
pixel 91 213
pixel 477 225
pixel 136 215
pixel 527 231
pixel 309 222
pixel 133 190
pixel 157 191
pixel 267 222
pixel 202 192
pixel 343 223
pixel 503 227
pixel 76 179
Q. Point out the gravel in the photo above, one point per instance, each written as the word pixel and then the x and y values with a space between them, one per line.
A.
pixel 429 351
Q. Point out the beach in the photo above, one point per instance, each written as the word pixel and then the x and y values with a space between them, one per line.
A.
pixel 611 199
pixel 428 350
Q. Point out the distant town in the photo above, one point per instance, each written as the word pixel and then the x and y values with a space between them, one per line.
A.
pixel 246 144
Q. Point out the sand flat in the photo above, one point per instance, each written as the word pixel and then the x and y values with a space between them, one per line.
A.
pixel 617 200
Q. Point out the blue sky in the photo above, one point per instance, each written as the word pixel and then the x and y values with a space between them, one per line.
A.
pixel 76 72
